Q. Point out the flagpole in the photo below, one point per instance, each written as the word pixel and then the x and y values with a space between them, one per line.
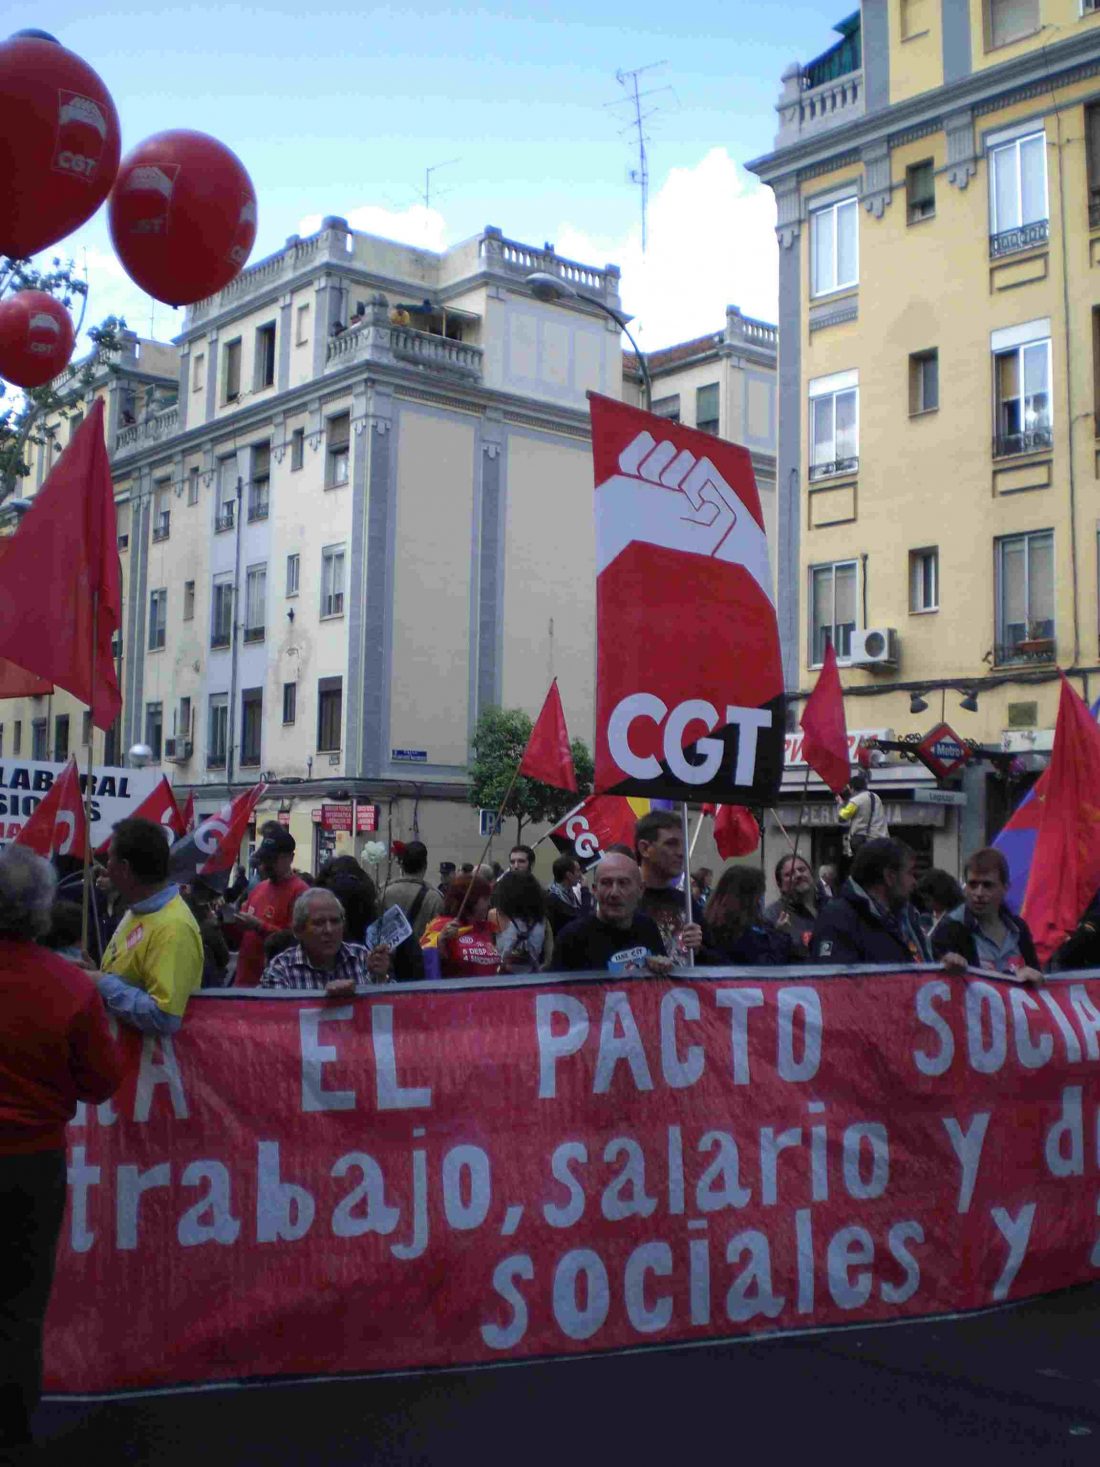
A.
pixel 698 828
pixel 802 810
pixel 688 914
pixel 783 829
pixel 567 816
pixel 87 890
pixel 492 832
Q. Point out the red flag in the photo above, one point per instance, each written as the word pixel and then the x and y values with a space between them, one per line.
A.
pixel 189 814
pixel 16 683
pixel 160 807
pixel 1065 869
pixel 57 826
pixel 596 823
pixel 825 734
pixel 63 554
pixel 547 756
pixel 211 850
pixel 736 832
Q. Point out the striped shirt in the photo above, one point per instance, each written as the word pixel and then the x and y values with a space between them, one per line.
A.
pixel 292 969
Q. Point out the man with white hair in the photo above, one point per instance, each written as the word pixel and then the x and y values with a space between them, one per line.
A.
pixel 321 958
pixel 617 938
pixel 56 1048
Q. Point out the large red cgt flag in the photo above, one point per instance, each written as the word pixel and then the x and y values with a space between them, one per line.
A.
pixel 1065 869
pixel 63 555
pixel 825 733
pixel 58 826
pixel 548 757
pixel 689 694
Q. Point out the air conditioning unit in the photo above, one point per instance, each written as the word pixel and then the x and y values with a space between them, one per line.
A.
pixel 177 751
pixel 874 647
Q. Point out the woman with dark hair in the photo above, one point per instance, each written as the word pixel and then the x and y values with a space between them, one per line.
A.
pixel 937 894
pixel 465 950
pixel 735 931
pixel 358 895
pixel 525 940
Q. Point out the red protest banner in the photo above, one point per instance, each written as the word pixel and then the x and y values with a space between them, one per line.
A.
pixel 455 1174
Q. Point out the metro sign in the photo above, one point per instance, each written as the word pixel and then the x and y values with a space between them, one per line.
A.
pixel 942 751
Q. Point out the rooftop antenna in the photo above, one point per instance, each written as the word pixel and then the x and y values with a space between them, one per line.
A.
pixel 425 194
pixel 628 80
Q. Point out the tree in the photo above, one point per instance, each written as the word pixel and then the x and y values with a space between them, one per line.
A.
pixel 497 747
pixel 28 417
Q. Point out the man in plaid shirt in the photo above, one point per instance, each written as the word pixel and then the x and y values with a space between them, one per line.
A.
pixel 321 958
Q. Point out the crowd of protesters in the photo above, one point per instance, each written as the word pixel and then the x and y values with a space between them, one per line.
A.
pixel 151 945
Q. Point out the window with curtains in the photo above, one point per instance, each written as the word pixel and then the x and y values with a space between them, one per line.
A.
pixel 834 425
pixel 832 609
pixel 217 730
pixel 158 618
pixel 834 246
pixel 924 580
pixel 332 581
pixel 1024 566
pixel 221 612
pixel 259 481
pixel 337 447
pixel 1023 398
pixel 255 603
pixel 1018 209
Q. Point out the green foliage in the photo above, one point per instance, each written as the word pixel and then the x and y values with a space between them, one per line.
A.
pixel 496 748
pixel 29 417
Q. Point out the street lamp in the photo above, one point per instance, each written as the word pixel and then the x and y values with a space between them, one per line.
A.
pixel 140 755
pixel 552 288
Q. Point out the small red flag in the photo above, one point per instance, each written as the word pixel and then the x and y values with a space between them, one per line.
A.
pixel 189 814
pixel 547 756
pixel 825 733
pixel 160 807
pixel 57 826
pixel 736 832
pixel 1065 868
pixel 63 555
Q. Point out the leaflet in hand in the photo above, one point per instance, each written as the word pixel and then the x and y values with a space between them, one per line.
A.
pixel 392 928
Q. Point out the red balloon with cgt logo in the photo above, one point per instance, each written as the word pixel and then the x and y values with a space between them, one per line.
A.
pixel 59 142
pixel 36 338
pixel 182 216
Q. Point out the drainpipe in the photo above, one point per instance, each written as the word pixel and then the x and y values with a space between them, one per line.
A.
pixel 234 641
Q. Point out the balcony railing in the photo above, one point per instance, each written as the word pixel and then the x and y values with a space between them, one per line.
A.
pixel 513 258
pixel 219 639
pixel 224 520
pixel 804 109
pixel 153 429
pixel 831 470
pixel 1032 649
pixel 254 634
pixel 1026 237
pixel 160 532
pixel 258 511
pixel 424 348
pixel 1035 440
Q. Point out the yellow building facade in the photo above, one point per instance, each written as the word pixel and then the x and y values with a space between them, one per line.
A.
pixel 937 176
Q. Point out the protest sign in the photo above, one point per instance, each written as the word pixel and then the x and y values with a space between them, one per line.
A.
pixel 463 1173
pixel 116 794
pixel 392 928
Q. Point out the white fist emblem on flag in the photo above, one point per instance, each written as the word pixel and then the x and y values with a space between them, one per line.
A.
pixel 666 496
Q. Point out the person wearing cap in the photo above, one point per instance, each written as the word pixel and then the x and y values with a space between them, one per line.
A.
pixel 269 906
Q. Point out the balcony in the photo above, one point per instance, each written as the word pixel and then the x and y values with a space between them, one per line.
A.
pixel 257 510
pixel 834 469
pixel 154 429
pixel 509 257
pixel 1034 440
pixel 827 92
pixel 380 342
pixel 1026 237
pixel 161 528
pixel 1026 650
pixel 224 519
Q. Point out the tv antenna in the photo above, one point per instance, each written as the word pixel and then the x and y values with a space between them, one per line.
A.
pixel 426 193
pixel 634 98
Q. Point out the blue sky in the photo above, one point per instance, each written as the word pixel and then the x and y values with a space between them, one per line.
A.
pixel 341 112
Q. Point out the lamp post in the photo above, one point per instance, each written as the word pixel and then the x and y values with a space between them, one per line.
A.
pixel 552 288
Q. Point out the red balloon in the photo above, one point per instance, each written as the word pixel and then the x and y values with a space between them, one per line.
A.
pixel 59 143
pixel 183 216
pixel 36 338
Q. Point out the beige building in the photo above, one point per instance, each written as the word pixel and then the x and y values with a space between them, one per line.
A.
pixel 937 175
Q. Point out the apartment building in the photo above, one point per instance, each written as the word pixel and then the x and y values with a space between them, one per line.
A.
pixel 937 176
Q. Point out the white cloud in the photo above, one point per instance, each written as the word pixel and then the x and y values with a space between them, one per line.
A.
pixel 423 228
pixel 711 244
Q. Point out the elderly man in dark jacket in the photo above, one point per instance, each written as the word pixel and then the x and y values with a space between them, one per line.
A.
pixel 872 920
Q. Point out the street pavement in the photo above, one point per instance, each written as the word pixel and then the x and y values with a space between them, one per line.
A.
pixel 1021 1385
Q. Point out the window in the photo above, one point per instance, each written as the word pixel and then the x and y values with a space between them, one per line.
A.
pixel 221 613
pixel 290 702
pixel 75 420
pixel 154 728
pixel 193 484
pixel 915 18
pixel 1018 194
pixel 162 509
pixel 332 581
pixel 706 408
pixel 1009 20
pixel 832 609
pixel 1025 597
pixel 1022 383
pixel 924 382
pixel 158 618
pixel 264 370
pixel 297 449
pixel 330 714
pixel 259 482
pixel 189 601
pixel 301 334
pixel 255 602
pixel 293 562
pixel 17 736
pixel 232 371
pixel 1092 151
pixel 834 239
pixel 122 526
pixel 217 730
pixel 61 738
pixel 834 425
pixel 924 580
pixel 86 728
pixel 198 373
pixel 337 434
pixel 920 191
pixel 252 710
pixel 227 492
pixel 667 407
pixel 39 737
pixel 183 719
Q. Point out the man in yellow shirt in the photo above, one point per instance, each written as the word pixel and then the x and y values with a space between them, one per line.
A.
pixel 153 963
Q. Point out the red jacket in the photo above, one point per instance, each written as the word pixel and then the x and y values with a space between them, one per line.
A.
pixel 272 902
pixel 55 1047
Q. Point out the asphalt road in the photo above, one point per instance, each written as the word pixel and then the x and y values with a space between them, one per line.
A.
pixel 1021 1385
